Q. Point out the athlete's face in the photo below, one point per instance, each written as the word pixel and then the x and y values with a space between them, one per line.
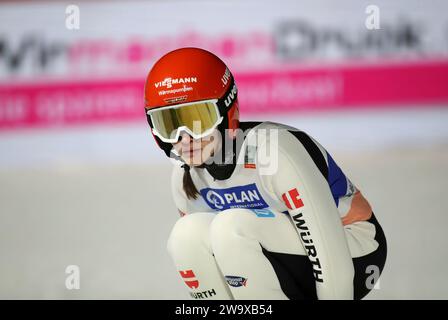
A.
pixel 196 151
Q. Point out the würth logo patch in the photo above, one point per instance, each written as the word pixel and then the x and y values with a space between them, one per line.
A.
pixel 292 199
pixel 189 278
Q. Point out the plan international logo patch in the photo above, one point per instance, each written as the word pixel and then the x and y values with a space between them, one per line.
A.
pixel 246 196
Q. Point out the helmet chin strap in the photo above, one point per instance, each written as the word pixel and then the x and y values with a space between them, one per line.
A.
pixel 175 156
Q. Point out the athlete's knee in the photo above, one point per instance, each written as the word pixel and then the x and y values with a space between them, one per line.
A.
pixel 190 231
pixel 231 223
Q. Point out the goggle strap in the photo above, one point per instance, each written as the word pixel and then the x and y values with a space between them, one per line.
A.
pixel 228 96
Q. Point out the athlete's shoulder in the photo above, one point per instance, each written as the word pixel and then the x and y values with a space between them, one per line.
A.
pixel 283 136
pixel 255 126
pixel 279 143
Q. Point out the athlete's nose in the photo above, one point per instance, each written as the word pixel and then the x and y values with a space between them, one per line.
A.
pixel 185 138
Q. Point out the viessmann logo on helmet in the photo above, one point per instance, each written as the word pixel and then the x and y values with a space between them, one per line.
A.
pixel 247 196
pixel 168 82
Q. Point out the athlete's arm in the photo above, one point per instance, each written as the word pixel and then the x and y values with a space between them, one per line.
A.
pixel 305 191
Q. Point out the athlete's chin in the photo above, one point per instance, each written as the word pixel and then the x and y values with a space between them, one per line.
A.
pixel 192 161
pixel 195 161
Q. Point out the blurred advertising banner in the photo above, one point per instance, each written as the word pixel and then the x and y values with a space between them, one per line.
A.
pixel 64 64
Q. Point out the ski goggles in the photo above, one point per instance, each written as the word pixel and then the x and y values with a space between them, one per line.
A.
pixel 198 119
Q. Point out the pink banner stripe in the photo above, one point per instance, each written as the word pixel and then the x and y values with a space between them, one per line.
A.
pixel 287 91
pixel 418 83
pixel 344 87
pixel 59 104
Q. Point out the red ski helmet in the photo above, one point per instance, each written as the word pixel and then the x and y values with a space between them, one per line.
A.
pixel 190 85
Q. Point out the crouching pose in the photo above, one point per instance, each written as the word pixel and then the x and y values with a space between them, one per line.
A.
pixel 266 213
